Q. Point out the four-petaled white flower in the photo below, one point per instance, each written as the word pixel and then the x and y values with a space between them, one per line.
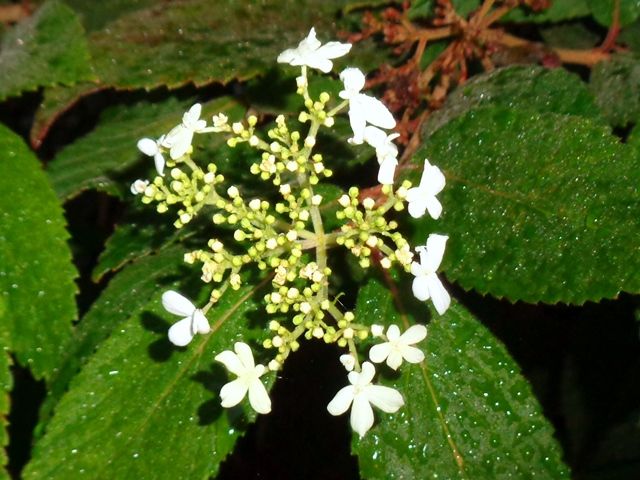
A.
pixel 139 186
pixel 153 148
pixel 423 197
pixel 363 108
pixel 427 284
pixel 178 140
pixel 386 152
pixel 194 321
pixel 363 394
pixel 398 347
pixel 241 364
pixel 313 54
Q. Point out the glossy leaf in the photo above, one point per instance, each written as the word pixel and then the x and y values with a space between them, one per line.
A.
pixel 602 11
pixel 44 50
pixel 529 87
pixel 616 86
pixel 6 383
pixel 96 15
pixel 468 411
pixel 36 274
pixel 104 159
pixel 539 207
pixel 141 405
pixel 176 43
pixel 127 294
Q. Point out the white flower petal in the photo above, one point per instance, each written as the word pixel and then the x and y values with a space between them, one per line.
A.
pixel 231 361
pixel 341 401
pixel 192 116
pixel 412 354
pixel 414 334
pixel 376 112
pixel 181 143
pixel 361 415
pixel 418 205
pixel 158 160
pixel 348 361
pixel 180 332
pixel 420 288
pixel 287 56
pixel 334 49
pixel 416 269
pixel 374 136
pixel 436 244
pixel 393 332
pixel 147 146
pixel 259 398
pixel 386 399
pixel 200 322
pixel 394 360
pixel 379 353
pixel 319 63
pixel 439 295
pixel 387 171
pixel 367 374
pixel 245 354
pixel 353 80
pixel 433 179
pixel 177 304
pixel 358 121
pixel 232 393
pixel 310 42
pixel 434 207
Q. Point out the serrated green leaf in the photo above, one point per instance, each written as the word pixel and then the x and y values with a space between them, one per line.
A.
pixel 36 272
pixel 538 207
pixel 468 412
pixel 46 49
pixel 602 11
pixel 424 9
pixel 103 159
pixel 127 294
pixel 190 41
pixel 560 10
pixel 6 383
pixel 134 237
pixel 96 15
pixel 531 87
pixel 616 86
pixel 141 406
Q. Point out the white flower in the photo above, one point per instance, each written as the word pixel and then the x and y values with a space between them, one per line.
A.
pixel 153 148
pixel 363 108
pixel 139 186
pixel 178 140
pixel 313 54
pixel 423 197
pixel 194 321
pixel 363 394
pixel 427 284
pixel 386 152
pixel 348 361
pixel 241 364
pixel 399 346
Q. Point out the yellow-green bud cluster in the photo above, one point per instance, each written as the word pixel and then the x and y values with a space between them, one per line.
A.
pixel 367 230
pixel 192 191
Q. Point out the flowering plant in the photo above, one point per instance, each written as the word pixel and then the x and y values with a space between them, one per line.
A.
pixel 287 239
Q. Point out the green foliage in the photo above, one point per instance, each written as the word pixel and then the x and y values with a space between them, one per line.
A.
pixel 616 86
pixel 528 87
pixel 104 158
pixel 6 383
pixel 37 277
pixel 602 11
pixel 540 207
pixel 127 294
pixel 45 50
pixel 468 412
pixel 141 406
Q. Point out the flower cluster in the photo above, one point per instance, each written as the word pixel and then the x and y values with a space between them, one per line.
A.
pixel 286 239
